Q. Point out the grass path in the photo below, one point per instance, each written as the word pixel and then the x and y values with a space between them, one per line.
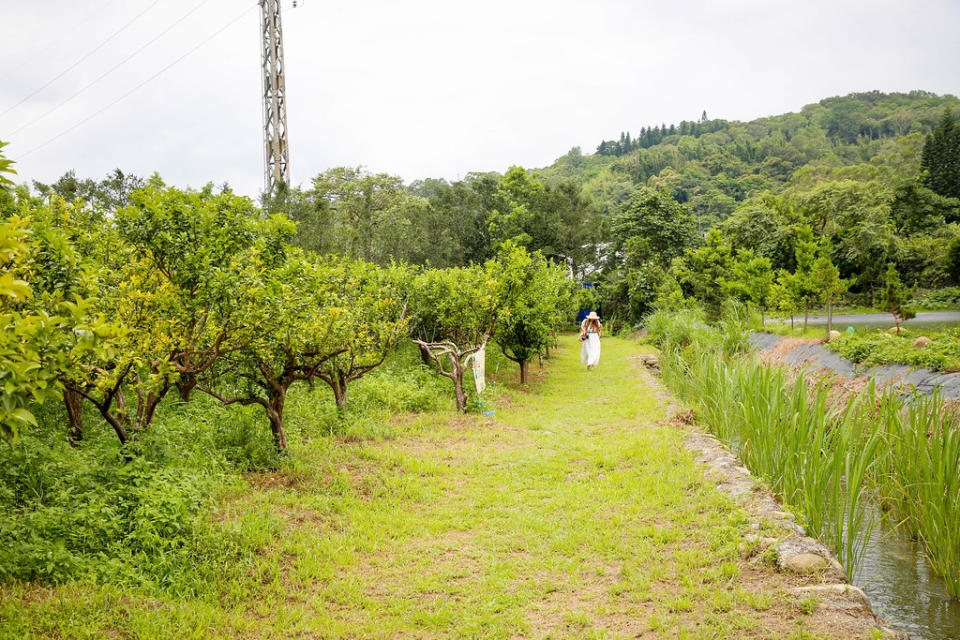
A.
pixel 574 513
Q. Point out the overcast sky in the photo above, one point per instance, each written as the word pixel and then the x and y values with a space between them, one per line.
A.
pixel 431 88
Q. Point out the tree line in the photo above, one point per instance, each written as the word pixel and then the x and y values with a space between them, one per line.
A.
pixel 166 291
pixel 120 291
pixel 866 233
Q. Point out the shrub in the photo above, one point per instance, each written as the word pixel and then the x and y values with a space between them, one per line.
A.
pixel 938 300
pixel 880 347
pixel 73 513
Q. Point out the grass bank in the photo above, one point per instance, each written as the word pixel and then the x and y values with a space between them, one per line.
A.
pixel 828 458
pixel 574 512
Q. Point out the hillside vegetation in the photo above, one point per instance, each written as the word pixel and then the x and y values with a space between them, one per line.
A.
pixel 714 165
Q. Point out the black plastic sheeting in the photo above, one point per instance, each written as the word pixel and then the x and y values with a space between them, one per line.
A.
pixel 906 379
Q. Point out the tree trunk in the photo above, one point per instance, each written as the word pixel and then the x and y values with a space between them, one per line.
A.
pixel 524 364
pixel 74 403
pixel 763 318
pixel 461 394
pixel 116 423
pixel 150 408
pixel 185 385
pixel 275 403
pixel 425 356
pixel 340 394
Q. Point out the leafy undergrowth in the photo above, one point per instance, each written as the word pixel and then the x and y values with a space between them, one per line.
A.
pixel 575 512
pixel 90 514
pixel 938 300
pixel 942 353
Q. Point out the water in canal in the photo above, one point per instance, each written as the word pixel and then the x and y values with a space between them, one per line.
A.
pixel 904 589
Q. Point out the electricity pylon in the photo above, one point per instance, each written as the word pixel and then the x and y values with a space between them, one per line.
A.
pixel 276 153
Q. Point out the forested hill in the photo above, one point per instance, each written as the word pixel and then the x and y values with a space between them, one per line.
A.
pixel 714 164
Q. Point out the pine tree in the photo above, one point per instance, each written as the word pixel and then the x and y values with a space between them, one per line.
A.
pixel 940 160
pixel 895 297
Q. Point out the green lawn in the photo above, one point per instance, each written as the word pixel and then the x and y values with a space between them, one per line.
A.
pixel 574 513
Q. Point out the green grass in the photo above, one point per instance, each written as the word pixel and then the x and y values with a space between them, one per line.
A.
pixel 817 332
pixel 574 512
pixel 817 458
pixel 826 457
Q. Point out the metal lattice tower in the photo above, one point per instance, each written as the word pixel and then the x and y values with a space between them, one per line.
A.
pixel 276 155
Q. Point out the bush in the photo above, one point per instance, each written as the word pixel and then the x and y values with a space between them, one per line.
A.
pixel 938 300
pixel 74 513
pixel 880 347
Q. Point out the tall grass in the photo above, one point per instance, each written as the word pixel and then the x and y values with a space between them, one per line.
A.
pixel 829 461
pixel 816 458
pixel 920 478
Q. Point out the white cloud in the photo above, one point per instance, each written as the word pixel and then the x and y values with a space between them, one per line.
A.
pixel 439 88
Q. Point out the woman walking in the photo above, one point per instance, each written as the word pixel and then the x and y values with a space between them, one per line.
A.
pixel 590 330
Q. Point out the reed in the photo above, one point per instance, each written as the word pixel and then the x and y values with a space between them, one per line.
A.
pixel 816 459
pixel 920 479
pixel 831 463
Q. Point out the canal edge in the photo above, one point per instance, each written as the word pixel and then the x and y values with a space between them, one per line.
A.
pixel 795 551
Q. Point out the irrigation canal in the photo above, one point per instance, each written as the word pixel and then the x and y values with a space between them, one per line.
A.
pixel 905 590
pixel 895 573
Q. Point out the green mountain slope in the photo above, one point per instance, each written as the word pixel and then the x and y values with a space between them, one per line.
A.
pixel 716 164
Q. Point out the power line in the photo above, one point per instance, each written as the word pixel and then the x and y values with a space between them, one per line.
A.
pixel 110 70
pixel 84 57
pixel 151 78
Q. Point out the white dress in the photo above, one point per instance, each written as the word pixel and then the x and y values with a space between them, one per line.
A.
pixel 590 351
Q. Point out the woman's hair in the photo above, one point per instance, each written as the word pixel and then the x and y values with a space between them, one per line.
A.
pixel 591 321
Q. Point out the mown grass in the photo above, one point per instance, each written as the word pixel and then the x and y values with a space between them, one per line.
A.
pixel 574 512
